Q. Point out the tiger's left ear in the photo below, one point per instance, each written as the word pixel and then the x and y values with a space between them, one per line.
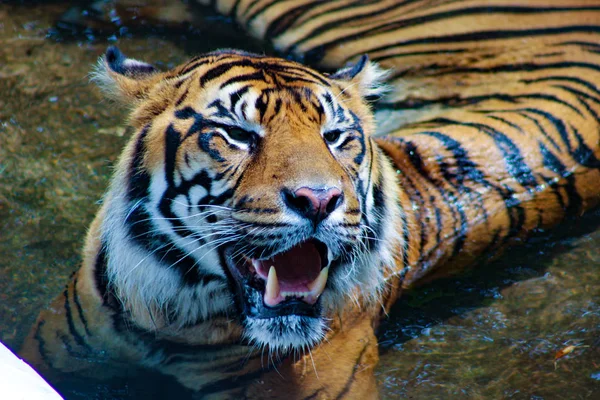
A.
pixel 124 79
pixel 366 75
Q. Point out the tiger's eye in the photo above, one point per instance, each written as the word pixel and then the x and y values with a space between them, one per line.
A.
pixel 240 135
pixel 332 136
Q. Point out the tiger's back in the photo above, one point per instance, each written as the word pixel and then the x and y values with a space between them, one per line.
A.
pixel 510 91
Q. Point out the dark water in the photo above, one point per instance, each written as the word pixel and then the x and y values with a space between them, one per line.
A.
pixel 492 333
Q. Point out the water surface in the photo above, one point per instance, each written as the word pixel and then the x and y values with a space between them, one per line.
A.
pixel 489 334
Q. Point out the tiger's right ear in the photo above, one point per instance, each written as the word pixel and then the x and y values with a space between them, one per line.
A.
pixel 123 79
pixel 367 76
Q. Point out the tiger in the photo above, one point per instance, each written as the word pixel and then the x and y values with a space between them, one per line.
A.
pixel 264 216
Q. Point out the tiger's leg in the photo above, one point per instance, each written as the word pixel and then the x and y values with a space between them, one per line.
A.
pixel 75 333
pixel 342 367
pixel 64 336
pixel 477 186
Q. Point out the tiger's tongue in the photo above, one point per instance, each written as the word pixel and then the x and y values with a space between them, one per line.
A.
pixel 294 273
pixel 295 268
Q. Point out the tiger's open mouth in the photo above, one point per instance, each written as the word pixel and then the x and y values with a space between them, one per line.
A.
pixel 287 283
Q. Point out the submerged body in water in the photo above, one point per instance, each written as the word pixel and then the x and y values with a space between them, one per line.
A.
pixel 241 164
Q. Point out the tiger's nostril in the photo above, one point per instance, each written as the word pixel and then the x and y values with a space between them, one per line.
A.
pixel 314 204
pixel 334 203
pixel 299 204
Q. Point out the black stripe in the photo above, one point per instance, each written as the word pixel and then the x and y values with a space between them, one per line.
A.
pixel 461 170
pixel 507 122
pixel 415 196
pixel 172 142
pixel 438 220
pixel 261 103
pixel 358 366
pixel 219 70
pixel 416 193
pixel 342 146
pixel 582 97
pixel 375 220
pixel 74 333
pixel 182 98
pixel 468 170
pixel 514 162
pixel 221 110
pixel 595 46
pixel 164 250
pixel 540 127
pixel 528 67
pixel 186 113
pixel 547 97
pixel 295 79
pixel 42 345
pixel 253 76
pixel 205 141
pixel 237 383
pixel 271 224
pixel 179 83
pixel 138 178
pixel 480 36
pixel 417 53
pixel 66 344
pixel 347 19
pixel 444 15
pixel 259 210
pixel 583 154
pixel 251 4
pixel 277 108
pixel 165 349
pixel 193 64
pixel 109 299
pixel 100 275
pixel 558 124
pixel 459 101
pixel 451 101
pixel 553 163
pixel 356 126
pixel 79 308
pixel 213 359
pixel 285 20
pixel 460 234
pixel 234 10
pixel 315 395
pixel 287 17
pixel 417 162
pixel 405 236
pixel 236 96
pixel 275 66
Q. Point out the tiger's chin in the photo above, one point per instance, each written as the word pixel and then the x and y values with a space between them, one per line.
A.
pixel 281 297
pixel 283 334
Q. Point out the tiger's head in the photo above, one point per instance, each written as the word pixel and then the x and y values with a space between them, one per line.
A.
pixel 251 188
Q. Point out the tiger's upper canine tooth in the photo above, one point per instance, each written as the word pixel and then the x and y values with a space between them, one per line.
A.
pixel 272 288
pixel 318 285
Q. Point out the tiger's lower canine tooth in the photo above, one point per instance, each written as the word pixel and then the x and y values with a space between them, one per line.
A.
pixel 318 285
pixel 272 288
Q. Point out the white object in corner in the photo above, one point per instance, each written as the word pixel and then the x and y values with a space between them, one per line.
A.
pixel 18 381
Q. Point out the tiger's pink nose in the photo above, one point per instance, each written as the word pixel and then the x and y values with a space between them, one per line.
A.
pixel 314 204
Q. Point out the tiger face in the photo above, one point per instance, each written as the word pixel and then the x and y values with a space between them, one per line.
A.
pixel 251 189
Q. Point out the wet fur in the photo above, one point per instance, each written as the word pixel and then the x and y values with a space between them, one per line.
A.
pixel 483 139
